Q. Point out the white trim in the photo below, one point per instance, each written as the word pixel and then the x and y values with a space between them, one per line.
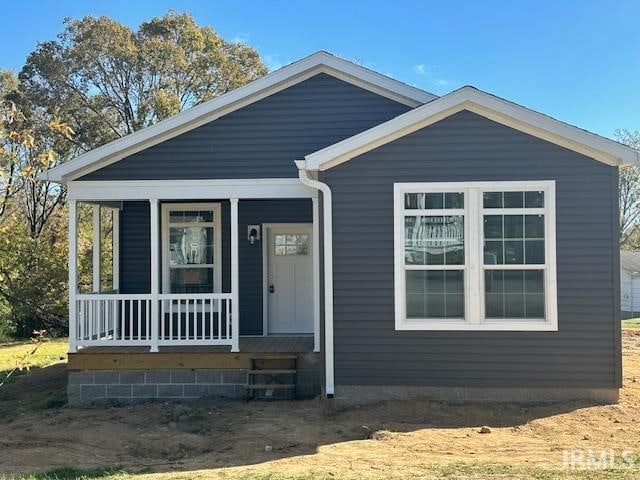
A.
pixel 155 274
pixel 316 274
pixel 73 276
pixel 327 216
pixel 489 106
pixel 235 278
pixel 474 266
pixel 96 248
pixel 115 248
pixel 189 189
pixel 320 62
pixel 265 279
pixel 216 224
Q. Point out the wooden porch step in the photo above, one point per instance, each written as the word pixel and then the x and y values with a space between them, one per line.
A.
pixel 268 386
pixel 270 371
pixel 267 356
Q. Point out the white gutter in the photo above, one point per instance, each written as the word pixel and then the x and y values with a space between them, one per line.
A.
pixel 328 272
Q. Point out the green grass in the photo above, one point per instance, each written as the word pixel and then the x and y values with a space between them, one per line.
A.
pixel 75 474
pixel 457 471
pixel 50 351
pixel 631 324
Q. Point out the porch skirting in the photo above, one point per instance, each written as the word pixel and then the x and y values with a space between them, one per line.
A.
pixel 126 387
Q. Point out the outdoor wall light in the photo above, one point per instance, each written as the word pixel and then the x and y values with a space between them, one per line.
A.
pixel 253 233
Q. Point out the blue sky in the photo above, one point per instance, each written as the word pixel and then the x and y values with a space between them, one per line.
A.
pixel 578 61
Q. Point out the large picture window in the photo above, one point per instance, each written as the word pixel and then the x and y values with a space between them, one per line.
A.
pixel 475 255
pixel 191 248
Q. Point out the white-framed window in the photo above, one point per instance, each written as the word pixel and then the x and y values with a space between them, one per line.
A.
pixel 475 256
pixel 191 248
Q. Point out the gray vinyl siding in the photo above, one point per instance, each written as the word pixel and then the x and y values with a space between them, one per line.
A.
pixel 135 266
pixel 263 139
pixel 135 241
pixel 585 352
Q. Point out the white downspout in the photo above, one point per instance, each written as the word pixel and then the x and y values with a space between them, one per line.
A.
pixel 328 272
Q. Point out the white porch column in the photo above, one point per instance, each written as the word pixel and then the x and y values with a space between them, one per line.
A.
pixel 73 279
pixel 316 275
pixel 96 249
pixel 115 248
pixel 235 304
pixel 155 260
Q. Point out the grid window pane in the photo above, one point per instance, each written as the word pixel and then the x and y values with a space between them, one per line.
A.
pixel 449 200
pixel 534 199
pixel 513 199
pixel 435 294
pixel 514 294
pixel 514 239
pixel 434 240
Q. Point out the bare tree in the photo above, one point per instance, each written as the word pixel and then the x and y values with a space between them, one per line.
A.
pixel 629 194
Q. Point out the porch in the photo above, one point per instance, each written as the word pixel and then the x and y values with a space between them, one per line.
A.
pixel 197 261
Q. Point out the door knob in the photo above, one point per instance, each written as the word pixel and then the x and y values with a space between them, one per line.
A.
pixel 271 288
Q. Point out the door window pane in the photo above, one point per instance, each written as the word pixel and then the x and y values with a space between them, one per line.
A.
pixel 435 294
pixel 291 244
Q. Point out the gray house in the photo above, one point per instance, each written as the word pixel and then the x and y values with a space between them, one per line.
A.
pixel 630 284
pixel 327 229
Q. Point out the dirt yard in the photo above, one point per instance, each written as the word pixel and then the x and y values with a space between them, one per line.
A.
pixel 300 440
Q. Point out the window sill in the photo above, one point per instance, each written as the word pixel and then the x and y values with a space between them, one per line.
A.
pixel 461 325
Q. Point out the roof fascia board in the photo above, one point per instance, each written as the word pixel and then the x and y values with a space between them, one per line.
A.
pixel 274 82
pixel 489 106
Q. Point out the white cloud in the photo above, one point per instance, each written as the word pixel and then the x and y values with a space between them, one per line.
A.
pixel 428 72
pixel 421 69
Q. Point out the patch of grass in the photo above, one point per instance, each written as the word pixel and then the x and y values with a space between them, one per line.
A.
pixel 76 474
pixel 51 351
pixel 631 324
pixel 457 471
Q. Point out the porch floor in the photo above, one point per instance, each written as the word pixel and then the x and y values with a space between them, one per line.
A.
pixel 268 344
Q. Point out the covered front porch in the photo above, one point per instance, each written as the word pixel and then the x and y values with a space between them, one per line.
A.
pixel 207 264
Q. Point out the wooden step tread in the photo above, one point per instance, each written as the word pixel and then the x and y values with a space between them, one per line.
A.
pixel 268 356
pixel 270 371
pixel 263 386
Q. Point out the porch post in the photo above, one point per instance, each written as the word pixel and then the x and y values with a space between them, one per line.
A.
pixel 96 248
pixel 316 275
pixel 73 279
pixel 235 304
pixel 155 259
pixel 115 248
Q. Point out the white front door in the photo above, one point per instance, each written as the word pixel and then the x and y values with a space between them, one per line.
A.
pixel 289 287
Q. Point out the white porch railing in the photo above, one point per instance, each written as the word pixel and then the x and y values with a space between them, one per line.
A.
pixel 127 320
pixel 195 319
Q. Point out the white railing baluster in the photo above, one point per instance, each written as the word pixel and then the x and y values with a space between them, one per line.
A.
pixel 147 323
pixel 139 302
pixel 229 323
pixel 130 336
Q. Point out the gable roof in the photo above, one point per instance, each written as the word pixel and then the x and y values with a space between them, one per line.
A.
pixel 630 261
pixel 320 62
pixel 487 105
